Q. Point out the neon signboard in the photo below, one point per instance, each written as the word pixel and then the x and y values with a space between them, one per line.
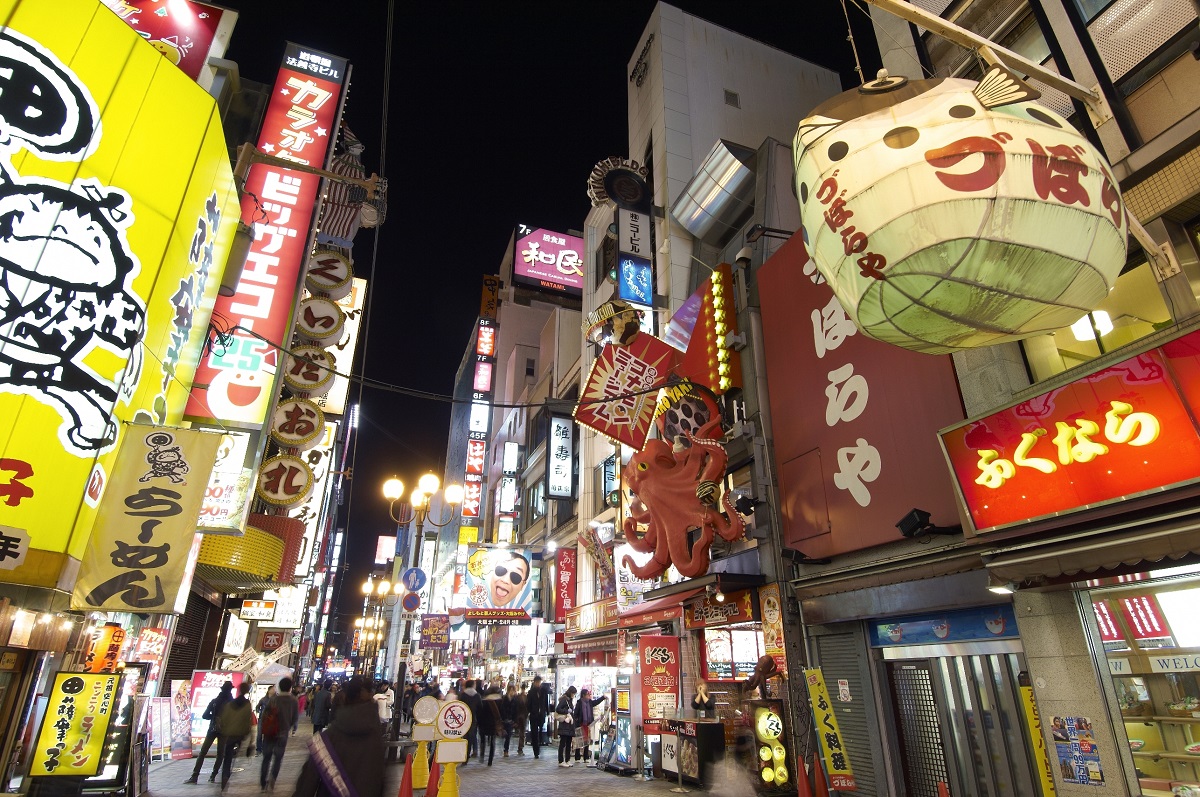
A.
pixel 550 260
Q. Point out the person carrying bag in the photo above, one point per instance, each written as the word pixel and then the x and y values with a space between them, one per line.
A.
pixel 565 726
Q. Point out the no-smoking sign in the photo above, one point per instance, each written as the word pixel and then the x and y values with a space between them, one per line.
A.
pixel 454 719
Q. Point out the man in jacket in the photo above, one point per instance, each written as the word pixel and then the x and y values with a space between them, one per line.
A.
pixel 474 702
pixel 211 713
pixel 322 703
pixel 236 720
pixel 351 750
pixel 539 707
pixel 274 731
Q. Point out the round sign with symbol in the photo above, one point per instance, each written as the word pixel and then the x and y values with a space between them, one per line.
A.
pixel 411 602
pixel 454 719
pixel 425 710
pixel 413 579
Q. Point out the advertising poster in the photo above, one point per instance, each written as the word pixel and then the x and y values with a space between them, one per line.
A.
pixel 435 632
pixel 138 552
pixel 631 373
pixel 1076 750
pixel 497 582
pixel 160 727
pixel 205 686
pixel 151 647
pixel 658 661
pixel 961 625
pixel 71 739
pixel 629 586
pixel 181 719
pixel 770 608
pixel 833 752
pixel 116 298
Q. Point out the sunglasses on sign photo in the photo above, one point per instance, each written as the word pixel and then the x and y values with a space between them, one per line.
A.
pixel 513 575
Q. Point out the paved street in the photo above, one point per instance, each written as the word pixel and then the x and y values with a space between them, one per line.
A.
pixel 507 777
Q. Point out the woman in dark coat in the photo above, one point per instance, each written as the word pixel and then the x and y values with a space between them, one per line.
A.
pixel 357 760
pixel 490 722
pixel 565 726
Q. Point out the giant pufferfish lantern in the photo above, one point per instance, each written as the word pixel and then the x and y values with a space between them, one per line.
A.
pixel 947 214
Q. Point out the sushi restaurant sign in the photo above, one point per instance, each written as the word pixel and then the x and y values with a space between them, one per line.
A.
pixel 1084 444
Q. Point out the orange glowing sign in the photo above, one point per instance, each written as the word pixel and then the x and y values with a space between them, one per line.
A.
pixel 1119 432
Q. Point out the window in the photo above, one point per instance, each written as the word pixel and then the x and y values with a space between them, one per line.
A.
pixel 535 502
pixel 538 428
pixel 1131 311
pixel 530 367
pixel 606 259
pixel 732 99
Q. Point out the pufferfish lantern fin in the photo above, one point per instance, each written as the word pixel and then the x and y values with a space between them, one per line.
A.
pixel 1001 86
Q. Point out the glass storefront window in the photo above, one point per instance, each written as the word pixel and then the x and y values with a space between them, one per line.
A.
pixel 1132 310
pixel 1151 633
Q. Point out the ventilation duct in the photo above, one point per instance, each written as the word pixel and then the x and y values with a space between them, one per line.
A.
pixel 720 197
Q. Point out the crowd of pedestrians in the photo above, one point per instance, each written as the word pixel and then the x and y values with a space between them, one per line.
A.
pixel 353 720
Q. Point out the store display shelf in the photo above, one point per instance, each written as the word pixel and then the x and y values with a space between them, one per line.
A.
pixel 1158 755
pixel 1170 718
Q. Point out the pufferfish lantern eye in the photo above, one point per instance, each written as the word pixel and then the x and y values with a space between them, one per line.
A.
pixel 642 466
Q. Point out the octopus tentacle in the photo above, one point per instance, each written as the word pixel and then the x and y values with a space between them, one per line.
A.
pixel 646 542
pixel 731 527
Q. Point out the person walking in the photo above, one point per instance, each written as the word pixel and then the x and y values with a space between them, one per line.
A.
pixel 384 698
pixel 520 718
pixel 537 707
pixel 471 697
pixel 321 703
pixel 508 716
pixel 490 723
pixel 211 713
pixel 236 720
pixel 278 717
pixel 254 749
pixel 583 716
pixel 348 757
pixel 565 725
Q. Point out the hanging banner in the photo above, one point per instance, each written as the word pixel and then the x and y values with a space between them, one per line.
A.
pixel 658 660
pixel 146 521
pixel 71 738
pixel 770 607
pixel 564 588
pixel 833 752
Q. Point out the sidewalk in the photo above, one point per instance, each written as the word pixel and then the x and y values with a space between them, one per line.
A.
pixel 507 777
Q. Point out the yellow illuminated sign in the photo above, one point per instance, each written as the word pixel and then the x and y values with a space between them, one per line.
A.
pixel 125 178
pixel 71 738
pixel 1037 738
pixel 833 751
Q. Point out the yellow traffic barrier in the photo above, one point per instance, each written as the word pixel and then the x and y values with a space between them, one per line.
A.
pixel 420 763
pixel 448 786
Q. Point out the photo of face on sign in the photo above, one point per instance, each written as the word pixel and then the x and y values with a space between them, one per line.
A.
pixel 498 578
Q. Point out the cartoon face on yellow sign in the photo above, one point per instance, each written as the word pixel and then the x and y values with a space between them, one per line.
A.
pixel 117 207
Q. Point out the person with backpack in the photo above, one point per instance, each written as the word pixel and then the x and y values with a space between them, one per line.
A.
pixel 256 748
pixel 211 713
pixel 279 715
pixel 236 721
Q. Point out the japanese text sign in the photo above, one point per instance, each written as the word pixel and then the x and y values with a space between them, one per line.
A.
pixel 146 521
pixel 234 384
pixel 78 713
pixel 206 684
pixel 658 665
pixel 182 30
pixel 855 421
pixel 548 259
pixel 435 632
pixel 1124 430
pixel 560 480
pixel 140 209
pixel 619 396
pixel 104 649
pixel 738 607
pixel 564 587
pixel 771 608
pixel 498 582
pixel 833 753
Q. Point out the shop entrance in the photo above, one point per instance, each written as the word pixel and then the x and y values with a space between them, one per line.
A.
pixel 960 722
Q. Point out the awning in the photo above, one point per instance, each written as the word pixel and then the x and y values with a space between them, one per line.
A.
pixel 1144 546
pixel 661 609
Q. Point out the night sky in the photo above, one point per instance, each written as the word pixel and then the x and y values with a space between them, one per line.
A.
pixel 496 113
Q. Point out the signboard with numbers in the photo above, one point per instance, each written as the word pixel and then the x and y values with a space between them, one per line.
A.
pixel 856 420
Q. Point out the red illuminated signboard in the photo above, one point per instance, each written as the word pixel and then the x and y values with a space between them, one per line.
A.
pixel 1117 433
pixel 234 383
pixel 476 450
pixel 1144 618
pixel 1109 630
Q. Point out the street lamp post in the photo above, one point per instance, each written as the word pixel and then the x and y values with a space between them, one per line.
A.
pixel 372 624
pixel 418 509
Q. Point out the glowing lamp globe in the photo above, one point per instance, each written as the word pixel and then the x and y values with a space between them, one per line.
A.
pixel 947 214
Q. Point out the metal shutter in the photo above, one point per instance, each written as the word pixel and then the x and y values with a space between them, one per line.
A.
pixel 185 646
pixel 844 656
